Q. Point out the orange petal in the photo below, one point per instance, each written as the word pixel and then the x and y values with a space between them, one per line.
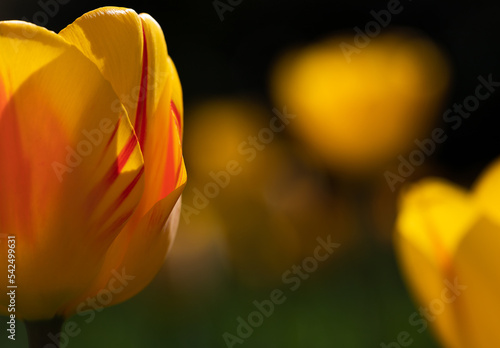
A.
pixel 71 170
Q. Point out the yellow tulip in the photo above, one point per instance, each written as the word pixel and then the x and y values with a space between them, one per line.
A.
pixel 447 240
pixel 361 111
pixel 219 137
pixel 91 166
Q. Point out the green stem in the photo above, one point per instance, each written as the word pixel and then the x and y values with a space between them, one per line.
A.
pixel 44 332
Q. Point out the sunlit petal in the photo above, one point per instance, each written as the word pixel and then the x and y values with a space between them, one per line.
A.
pixel 158 124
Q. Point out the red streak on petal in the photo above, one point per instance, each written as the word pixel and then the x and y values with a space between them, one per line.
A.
pixel 113 134
pixel 120 161
pixel 128 189
pixel 124 155
pixel 177 116
pixel 140 130
pixel 119 201
pixel 111 138
pixel 140 116
pixel 111 175
pixel 116 225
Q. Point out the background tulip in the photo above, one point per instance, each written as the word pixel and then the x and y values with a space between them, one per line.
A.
pixel 91 159
pixel 278 204
pixel 358 108
pixel 447 239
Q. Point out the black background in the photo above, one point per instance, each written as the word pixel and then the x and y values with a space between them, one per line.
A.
pixel 234 56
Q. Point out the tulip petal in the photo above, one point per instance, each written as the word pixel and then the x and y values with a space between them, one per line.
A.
pixel 112 38
pixel 71 169
pixel 435 215
pixel 426 282
pixel 134 45
pixel 434 219
pixel 487 191
pixel 476 261
pixel 141 247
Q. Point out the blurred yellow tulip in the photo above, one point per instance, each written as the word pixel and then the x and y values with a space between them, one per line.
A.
pixel 448 239
pixel 219 127
pixel 253 233
pixel 359 113
pixel 263 219
pixel 91 167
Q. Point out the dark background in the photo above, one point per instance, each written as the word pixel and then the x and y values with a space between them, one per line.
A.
pixel 234 58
